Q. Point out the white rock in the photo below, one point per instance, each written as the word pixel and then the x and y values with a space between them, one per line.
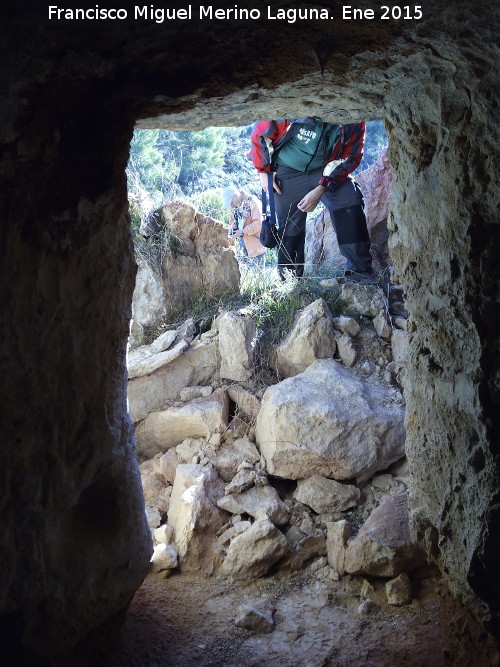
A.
pixel 338 533
pixel 312 337
pixel 236 335
pixel 164 558
pixel 163 429
pixel 149 303
pixel 142 361
pixel 325 495
pixel 398 590
pixel 327 421
pixel 254 552
pixel 164 341
pixel 227 457
pixel 260 501
pixel 401 323
pixel 230 504
pixel 195 517
pixel 233 531
pixel 347 325
pixel 198 365
pixel 164 534
pixel 346 349
pixel 189 393
pixel 381 325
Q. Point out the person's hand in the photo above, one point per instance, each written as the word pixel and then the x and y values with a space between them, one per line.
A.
pixel 237 233
pixel 310 201
pixel 264 180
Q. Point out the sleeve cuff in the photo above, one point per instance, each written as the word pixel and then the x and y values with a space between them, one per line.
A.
pixel 327 183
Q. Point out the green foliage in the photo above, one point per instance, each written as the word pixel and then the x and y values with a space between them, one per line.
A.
pixel 210 203
pixel 135 218
pixel 196 154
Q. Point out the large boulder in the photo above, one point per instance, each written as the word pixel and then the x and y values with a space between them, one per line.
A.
pixel 251 554
pixel 149 301
pixel 311 337
pixel 199 257
pixel 327 421
pixel 197 365
pixel 195 517
pixel 236 335
pixel 383 546
pixel 163 429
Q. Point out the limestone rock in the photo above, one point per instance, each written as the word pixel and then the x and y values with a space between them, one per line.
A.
pixel 383 546
pixel 245 401
pixel 312 337
pixel 228 457
pixel 163 429
pixel 346 350
pixel 376 185
pixel 199 258
pixel 149 301
pixel 326 495
pixel 164 558
pixel 398 590
pixel 258 501
pixel 346 325
pixel 230 533
pixel 245 479
pixel 198 365
pixel 338 533
pixel 236 334
pixel 311 546
pixel 381 325
pixel 190 393
pixel 136 335
pixel 144 361
pixel 155 486
pixel 256 617
pixel 164 534
pixel 364 299
pixel 351 430
pixel 251 554
pixel 195 517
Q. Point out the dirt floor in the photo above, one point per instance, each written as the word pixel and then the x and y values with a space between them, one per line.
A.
pixel 188 621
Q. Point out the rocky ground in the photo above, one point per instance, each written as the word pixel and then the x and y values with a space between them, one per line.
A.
pixel 187 620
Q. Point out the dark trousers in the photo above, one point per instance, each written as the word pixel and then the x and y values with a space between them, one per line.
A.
pixel 346 208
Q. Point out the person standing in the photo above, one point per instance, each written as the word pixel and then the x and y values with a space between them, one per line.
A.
pixel 245 223
pixel 311 161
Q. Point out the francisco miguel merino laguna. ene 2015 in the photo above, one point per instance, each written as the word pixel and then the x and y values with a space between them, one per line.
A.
pixel 161 14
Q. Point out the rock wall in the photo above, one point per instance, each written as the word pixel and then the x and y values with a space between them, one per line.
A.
pixel 72 93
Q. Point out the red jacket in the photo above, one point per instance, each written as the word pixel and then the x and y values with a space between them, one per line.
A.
pixel 269 136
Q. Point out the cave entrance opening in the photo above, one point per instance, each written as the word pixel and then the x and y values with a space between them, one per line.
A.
pixel 199 371
pixel 216 499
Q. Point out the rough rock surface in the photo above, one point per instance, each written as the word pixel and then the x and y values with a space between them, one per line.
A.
pixel 195 517
pixel 163 429
pixel 236 334
pixel 352 431
pixel 376 185
pixel 200 258
pixel 311 337
pixel 398 590
pixel 383 546
pixel 149 305
pixel 68 273
pixel 256 617
pixel 198 365
pixel 251 554
pixel 324 495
